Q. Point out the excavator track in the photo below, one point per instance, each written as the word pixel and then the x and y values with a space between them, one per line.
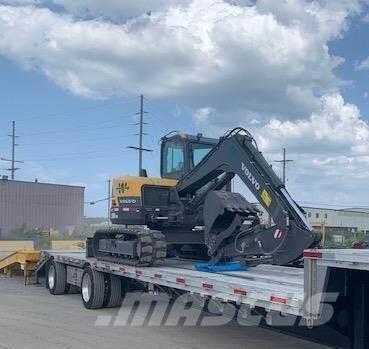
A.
pixel 148 246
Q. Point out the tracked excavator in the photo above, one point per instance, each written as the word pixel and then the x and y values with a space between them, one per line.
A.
pixel 191 211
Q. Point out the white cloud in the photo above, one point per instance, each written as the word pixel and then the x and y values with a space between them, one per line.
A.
pixel 263 64
pixel 202 52
pixel 201 115
pixel 20 2
pixel 363 65
pixel 330 152
pixel 336 128
pixel 329 149
pixel 114 9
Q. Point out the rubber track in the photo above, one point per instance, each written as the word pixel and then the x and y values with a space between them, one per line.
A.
pixel 152 247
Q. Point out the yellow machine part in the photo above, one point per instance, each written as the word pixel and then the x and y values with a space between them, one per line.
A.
pixel 131 186
pixel 24 260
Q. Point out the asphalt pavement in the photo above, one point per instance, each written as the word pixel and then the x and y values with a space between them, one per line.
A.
pixel 32 318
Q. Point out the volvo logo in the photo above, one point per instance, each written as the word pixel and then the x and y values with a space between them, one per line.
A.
pixel 249 175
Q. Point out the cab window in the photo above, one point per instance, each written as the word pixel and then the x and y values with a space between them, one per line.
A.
pixel 173 159
pixel 199 151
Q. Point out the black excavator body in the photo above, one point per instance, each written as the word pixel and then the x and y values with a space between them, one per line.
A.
pixel 198 215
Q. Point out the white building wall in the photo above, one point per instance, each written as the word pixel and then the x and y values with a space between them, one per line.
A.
pixel 343 218
pixel 339 218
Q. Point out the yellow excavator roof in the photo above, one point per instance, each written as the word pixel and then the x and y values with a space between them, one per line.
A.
pixel 147 180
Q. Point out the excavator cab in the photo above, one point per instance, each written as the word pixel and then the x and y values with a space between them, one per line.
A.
pixel 180 153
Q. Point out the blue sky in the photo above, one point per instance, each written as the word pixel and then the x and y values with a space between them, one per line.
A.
pixel 94 149
pixel 353 49
pixel 71 80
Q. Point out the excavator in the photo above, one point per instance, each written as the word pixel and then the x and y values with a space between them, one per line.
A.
pixel 191 211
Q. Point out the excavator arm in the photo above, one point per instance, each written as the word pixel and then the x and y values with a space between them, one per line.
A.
pixel 231 223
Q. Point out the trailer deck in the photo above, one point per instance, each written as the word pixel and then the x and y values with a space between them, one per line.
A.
pixel 300 293
pixel 270 287
pixel 354 259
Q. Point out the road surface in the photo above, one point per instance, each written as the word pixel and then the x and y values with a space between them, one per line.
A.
pixel 31 318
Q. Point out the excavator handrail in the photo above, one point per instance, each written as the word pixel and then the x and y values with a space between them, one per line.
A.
pixel 237 131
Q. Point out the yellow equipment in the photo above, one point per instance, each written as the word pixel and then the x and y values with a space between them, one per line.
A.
pixel 192 212
pixel 24 260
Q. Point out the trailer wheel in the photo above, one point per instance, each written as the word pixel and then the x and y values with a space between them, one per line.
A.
pixel 57 278
pixel 47 266
pixel 93 289
pixel 113 291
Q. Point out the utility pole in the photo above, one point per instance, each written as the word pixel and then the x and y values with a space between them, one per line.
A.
pixel 141 134
pixel 140 147
pixel 284 164
pixel 109 199
pixel 12 160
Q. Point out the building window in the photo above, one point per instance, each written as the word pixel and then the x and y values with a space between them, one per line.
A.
pixel 316 215
pixel 326 215
pixel 309 214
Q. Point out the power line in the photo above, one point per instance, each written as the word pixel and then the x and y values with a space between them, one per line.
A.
pixel 348 206
pixel 77 140
pixel 66 112
pixel 170 115
pixel 12 160
pixel 78 129
pixel 78 155
pixel 96 201
pixel 102 156
pixel 161 109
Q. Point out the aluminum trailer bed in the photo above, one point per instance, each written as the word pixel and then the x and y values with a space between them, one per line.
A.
pixel 332 281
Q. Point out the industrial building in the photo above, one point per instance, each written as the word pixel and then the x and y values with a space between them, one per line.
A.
pixel 336 221
pixel 348 220
pixel 47 207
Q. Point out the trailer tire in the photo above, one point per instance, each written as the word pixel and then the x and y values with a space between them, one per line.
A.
pixel 93 289
pixel 47 274
pixel 113 292
pixel 56 278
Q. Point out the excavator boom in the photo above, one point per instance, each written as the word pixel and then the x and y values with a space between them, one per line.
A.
pixel 225 213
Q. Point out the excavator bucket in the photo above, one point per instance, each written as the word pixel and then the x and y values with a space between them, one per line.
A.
pixel 224 214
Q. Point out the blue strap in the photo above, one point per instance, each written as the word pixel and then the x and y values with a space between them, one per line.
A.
pixel 233 266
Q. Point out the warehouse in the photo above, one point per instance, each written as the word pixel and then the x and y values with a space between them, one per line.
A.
pixel 47 207
pixel 336 221
pixel 339 220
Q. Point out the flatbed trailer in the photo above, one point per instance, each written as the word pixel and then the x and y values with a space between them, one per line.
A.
pixel 327 300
